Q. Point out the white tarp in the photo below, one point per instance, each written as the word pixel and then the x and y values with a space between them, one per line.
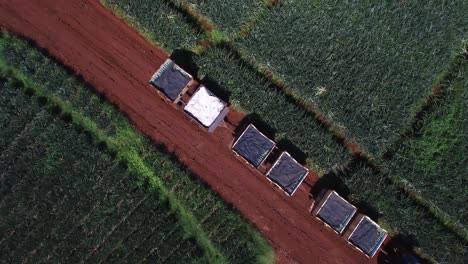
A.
pixel 204 106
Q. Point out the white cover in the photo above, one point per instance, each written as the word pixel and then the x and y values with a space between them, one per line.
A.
pixel 204 106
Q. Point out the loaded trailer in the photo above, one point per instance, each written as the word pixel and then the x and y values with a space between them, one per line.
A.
pixel 341 216
pixel 365 235
pixel 254 148
pixel 199 103
pixel 334 211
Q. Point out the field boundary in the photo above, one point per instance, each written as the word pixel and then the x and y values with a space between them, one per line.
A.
pixel 248 25
pixel 147 34
pixel 130 160
pixel 438 94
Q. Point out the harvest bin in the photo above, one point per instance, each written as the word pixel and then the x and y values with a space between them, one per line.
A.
pixel 253 146
pixel 171 80
pixel 287 173
pixel 334 210
pixel 366 235
pixel 203 106
pixel 206 108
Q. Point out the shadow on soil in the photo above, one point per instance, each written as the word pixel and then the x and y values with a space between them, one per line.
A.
pixel 398 251
pixel 270 132
pixel 185 59
pixel 216 89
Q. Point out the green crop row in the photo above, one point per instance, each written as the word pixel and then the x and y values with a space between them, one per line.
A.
pixel 65 200
pixel 433 161
pixel 244 243
pixel 362 63
pixel 229 16
pixel 405 217
pixel 157 21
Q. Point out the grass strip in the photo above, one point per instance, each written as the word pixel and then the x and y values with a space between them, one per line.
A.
pixel 228 16
pixel 158 21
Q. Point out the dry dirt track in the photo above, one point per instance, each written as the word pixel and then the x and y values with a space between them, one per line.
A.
pixel 118 62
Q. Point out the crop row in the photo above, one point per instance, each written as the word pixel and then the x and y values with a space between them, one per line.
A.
pixel 229 16
pixel 95 201
pixel 12 109
pixel 158 21
pixel 195 196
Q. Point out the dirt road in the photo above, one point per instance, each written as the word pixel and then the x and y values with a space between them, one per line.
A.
pixel 118 62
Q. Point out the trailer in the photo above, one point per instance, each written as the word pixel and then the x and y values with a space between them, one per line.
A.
pixel 253 146
pixel 180 88
pixel 287 174
pixel 366 235
pixel 255 149
pixel 333 210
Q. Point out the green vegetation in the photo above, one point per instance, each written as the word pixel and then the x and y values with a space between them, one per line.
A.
pixel 252 94
pixel 227 15
pixel 64 200
pixel 367 65
pixel 212 223
pixel 433 162
pixel 405 216
pixel 157 21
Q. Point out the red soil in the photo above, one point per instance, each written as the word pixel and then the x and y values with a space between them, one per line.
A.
pixel 119 62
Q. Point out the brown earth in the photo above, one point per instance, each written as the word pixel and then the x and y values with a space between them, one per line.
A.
pixel 118 62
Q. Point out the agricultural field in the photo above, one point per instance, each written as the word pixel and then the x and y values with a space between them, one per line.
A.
pixel 405 217
pixel 59 205
pixel 434 161
pixel 367 65
pixel 224 228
